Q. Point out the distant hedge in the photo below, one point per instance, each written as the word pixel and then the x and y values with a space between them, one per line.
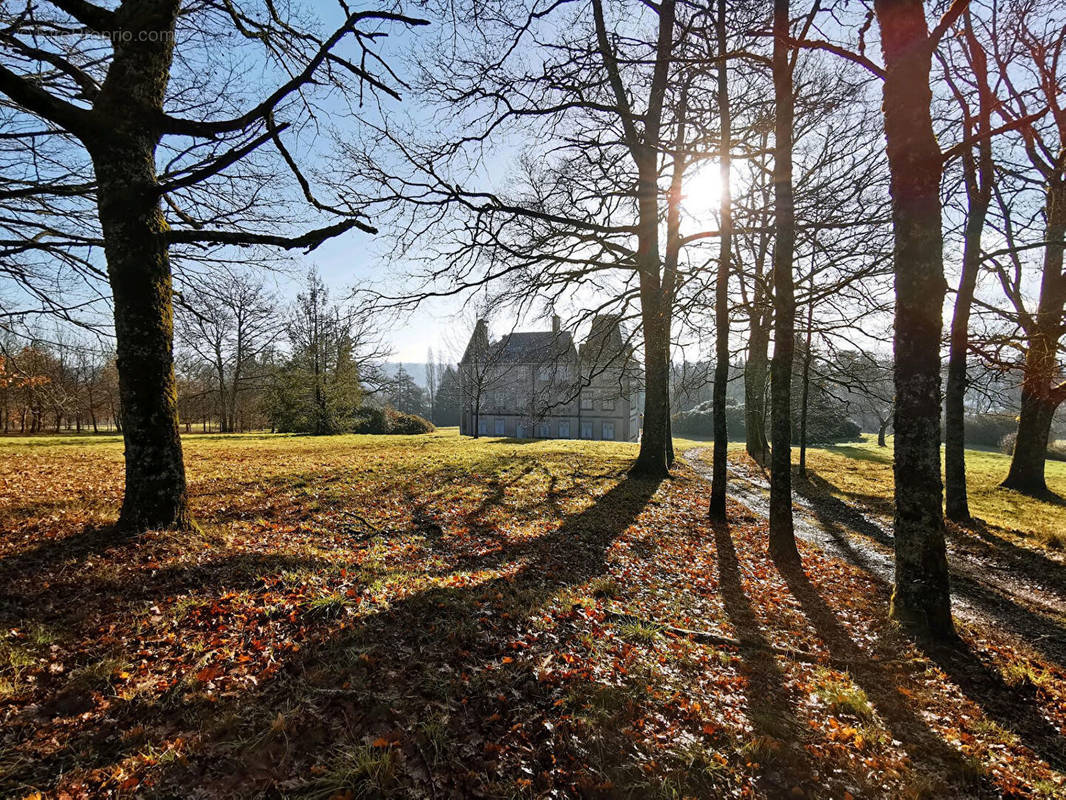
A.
pixel 824 424
pixel 400 423
pixel 989 430
pixel 699 422
pixel 373 419
pixel 1056 451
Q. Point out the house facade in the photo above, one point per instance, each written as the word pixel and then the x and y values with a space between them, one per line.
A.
pixel 541 385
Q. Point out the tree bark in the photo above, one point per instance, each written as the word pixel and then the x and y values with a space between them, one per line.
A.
pixel 921 598
pixel 806 390
pixel 756 368
pixel 1041 395
pixel 956 505
pixel 721 283
pixel 652 458
pixel 139 272
pixel 128 107
pixel 644 148
pixel 978 178
pixel 782 535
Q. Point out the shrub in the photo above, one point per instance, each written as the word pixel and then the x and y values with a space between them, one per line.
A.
pixel 826 424
pixel 401 423
pixel 1056 451
pixel 371 419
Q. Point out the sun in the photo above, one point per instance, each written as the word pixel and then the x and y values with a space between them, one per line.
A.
pixel 702 190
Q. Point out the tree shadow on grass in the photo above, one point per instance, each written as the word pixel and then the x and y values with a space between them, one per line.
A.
pixel 450 636
pixel 1031 563
pixel 881 686
pixel 819 493
pixel 778 746
pixel 141 585
pixel 861 453
pixel 384 674
pixel 1043 495
pixel 88 541
pixel 1013 708
pixel 974 584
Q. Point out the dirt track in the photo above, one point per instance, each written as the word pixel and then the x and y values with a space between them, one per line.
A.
pixel 1019 591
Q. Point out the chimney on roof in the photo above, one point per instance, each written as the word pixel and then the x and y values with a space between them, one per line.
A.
pixel 556 324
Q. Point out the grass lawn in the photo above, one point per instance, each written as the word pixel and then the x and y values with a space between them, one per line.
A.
pixel 862 472
pixel 436 617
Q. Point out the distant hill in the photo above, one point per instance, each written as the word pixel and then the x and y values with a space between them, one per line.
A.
pixel 416 369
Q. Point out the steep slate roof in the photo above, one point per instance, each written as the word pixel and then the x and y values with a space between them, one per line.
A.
pixel 604 342
pixel 478 344
pixel 603 345
pixel 533 347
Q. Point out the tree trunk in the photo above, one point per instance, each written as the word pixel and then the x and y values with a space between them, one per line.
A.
pixel 721 283
pixel 220 373
pixel 881 440
pixel 956 506
pixel 921 598
pixel 978 178
pixel 1040 394
pixel 806 390
pixel 138 267
pixel 644 148
pixel 755 372
pixel 139 272
pixel 652 457
pixel 782 536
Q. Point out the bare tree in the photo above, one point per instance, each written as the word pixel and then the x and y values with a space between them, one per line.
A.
pixel 107 99
pixel 1036 44
pixel 229 321
pixel 978 176
pixel 721 285
pixel 782 538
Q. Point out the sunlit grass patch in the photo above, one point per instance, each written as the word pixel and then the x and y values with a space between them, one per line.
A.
pixel 353 770
pixel 862 472
pixel 368 612
pixel 842 695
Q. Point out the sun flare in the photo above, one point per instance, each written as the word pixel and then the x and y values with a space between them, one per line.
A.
pixel 702 190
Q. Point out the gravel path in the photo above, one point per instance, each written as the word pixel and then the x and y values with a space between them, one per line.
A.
pixel 1020 592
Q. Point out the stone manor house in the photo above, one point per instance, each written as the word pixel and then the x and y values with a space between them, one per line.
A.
pixel 542 385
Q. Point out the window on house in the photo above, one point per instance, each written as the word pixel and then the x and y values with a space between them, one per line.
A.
pixel 586 430
pixel 564 429
pixel 482 426
pixel 544 430
pixel 545 372
pixel 519 431
pixel 607 404
pixel 608 431
pixel 499 399
pixel 501 426
pixel 588 402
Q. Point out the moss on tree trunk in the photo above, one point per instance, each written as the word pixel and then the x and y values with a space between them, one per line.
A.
pixel 138 265
pixel 921 598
